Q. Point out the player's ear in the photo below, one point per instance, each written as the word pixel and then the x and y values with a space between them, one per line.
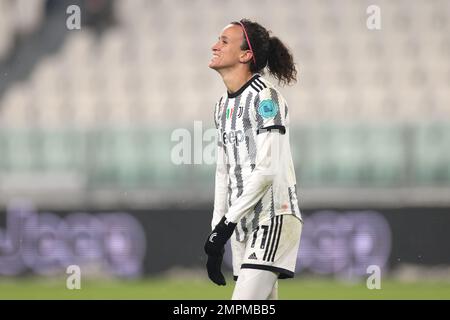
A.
pixel 246 56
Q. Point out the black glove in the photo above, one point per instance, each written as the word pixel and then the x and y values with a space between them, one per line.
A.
pixel 214 273
pixel 217 239
pixel 215 248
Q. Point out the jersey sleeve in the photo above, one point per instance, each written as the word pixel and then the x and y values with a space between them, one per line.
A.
pixel 269 111
pixel 217 113
pixel 262 176
pixel 220 189
pixel 221 176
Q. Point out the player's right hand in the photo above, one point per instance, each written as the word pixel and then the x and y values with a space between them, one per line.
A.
pixel 214 266
pixel 215 243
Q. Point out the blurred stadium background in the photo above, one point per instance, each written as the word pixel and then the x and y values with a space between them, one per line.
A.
pixel 86 124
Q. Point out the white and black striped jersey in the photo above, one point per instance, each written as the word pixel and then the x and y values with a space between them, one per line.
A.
pixel 255 177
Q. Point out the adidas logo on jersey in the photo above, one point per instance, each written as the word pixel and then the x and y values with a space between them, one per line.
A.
pixel 253 256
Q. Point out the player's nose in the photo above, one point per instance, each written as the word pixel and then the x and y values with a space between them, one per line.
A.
pixel 215 47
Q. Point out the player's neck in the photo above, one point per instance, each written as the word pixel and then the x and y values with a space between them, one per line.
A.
pixel 235 80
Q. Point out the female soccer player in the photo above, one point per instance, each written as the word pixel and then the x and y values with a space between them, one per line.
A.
pixel 255 189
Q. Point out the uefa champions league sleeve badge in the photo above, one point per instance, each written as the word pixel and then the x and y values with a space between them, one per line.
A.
pixel 267 109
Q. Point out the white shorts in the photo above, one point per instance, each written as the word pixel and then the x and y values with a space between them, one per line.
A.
pixel 272 246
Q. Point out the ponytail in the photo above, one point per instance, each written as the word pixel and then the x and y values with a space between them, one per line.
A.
pixel 280 62
pixel 268 52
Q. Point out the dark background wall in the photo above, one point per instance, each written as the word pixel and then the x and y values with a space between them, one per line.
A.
pixel 140 242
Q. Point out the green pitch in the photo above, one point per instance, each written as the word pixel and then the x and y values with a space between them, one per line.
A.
pixel 159 288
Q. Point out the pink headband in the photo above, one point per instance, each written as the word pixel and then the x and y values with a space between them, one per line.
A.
pixel 248 42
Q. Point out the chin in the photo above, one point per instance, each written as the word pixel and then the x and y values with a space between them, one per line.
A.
pixel 212 65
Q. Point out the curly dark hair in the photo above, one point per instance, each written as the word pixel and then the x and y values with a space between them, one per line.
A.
pixel 268 52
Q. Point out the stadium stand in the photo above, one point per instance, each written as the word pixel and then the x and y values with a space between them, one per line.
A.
pixel 371 109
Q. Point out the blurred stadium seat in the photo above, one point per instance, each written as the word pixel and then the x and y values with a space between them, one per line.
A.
pixel 17 19
pixel 368 111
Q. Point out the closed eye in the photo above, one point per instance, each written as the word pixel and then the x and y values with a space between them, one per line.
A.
pixel 224 39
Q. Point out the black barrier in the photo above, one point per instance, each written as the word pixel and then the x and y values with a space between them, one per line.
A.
pixel 130 243
pixel 220 309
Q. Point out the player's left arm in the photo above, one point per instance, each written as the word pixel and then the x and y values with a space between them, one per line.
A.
pixel 270 130
pixel 260 179
pixel 269 113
